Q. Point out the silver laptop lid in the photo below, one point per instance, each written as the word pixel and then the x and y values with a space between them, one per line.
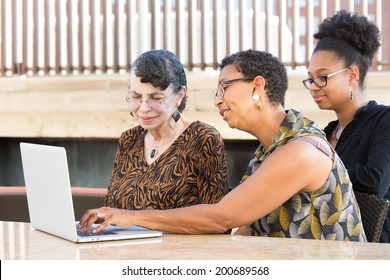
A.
pixel 49 196
pixel 48 188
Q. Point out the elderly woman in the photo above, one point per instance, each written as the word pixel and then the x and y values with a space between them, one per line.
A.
pixel 295 187
pixel 167 161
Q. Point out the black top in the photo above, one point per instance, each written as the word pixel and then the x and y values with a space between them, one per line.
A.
pixel 364 147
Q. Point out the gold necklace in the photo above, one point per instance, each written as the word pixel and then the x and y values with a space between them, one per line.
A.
pixel 153 152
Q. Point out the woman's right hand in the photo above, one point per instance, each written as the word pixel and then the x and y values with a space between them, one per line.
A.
pixel 105 216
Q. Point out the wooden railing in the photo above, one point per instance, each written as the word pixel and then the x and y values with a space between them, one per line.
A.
pixel 54 37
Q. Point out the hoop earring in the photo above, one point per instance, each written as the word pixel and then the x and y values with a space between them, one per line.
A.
pixel 256 98
pixel 176 116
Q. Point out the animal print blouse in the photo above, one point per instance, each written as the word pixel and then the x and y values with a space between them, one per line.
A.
pixel 330 213
pixel 193 170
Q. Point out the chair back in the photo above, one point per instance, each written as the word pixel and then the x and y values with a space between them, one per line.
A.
pixel 373 211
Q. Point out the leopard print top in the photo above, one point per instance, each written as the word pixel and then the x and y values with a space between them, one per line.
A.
pixel 193 170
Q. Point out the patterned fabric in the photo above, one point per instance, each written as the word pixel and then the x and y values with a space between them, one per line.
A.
pixel 193 170
pixel 330 213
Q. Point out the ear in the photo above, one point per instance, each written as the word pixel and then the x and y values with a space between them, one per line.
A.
pixel 259 82
pixel 182 94
pixel 354 75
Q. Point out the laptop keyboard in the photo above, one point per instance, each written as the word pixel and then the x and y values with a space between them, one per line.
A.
pixel 81 232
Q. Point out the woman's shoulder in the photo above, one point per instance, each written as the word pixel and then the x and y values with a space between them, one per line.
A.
pixel 374 113
pixel 203 128
pixel 201 132
pixel 373 107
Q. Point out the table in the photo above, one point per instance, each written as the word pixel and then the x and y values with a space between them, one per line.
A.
pixel 19 241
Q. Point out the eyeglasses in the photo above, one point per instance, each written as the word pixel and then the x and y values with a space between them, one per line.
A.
pixel 135 100
pixel 322 80
pixel 221 89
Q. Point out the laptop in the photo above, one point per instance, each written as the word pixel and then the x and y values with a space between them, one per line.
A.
pixel 49 197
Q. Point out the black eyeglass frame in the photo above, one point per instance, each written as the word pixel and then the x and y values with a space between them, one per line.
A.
pixel 307 82
pixel 229 82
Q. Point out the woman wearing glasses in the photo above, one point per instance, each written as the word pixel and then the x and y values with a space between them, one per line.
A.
pixel 167 161
pixel 346 46
pixel 295 187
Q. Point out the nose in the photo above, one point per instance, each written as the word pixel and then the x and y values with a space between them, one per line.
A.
pixel 217 101
pixel 144 104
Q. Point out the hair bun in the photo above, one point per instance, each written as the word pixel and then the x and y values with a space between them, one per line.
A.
pixel 357 30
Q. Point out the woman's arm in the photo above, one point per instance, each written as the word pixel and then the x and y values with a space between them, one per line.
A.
pixel 296 166
pixel 212 169
pixel 110 199
pixel 373 176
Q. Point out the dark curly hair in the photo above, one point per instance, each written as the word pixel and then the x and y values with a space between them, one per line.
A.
pixel 351 37
pixel 252 63
pixel 161 68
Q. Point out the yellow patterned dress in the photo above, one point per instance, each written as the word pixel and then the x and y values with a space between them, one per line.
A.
pixel 330 213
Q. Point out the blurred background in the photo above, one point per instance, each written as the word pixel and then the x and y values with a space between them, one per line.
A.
pixel 64 63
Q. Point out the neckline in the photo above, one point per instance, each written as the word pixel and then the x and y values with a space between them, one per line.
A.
pixel 142 143
pixel 334 138
pixel 154 151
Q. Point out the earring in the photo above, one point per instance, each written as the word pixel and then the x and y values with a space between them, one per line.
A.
pixel 256 98
pixel 176 115
pixel 350 88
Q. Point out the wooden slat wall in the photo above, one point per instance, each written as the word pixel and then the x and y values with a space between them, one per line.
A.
pixel 46 37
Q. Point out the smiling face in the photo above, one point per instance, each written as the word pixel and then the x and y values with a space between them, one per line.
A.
pixel 151 106
pixel 337 91
pixel 237 97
